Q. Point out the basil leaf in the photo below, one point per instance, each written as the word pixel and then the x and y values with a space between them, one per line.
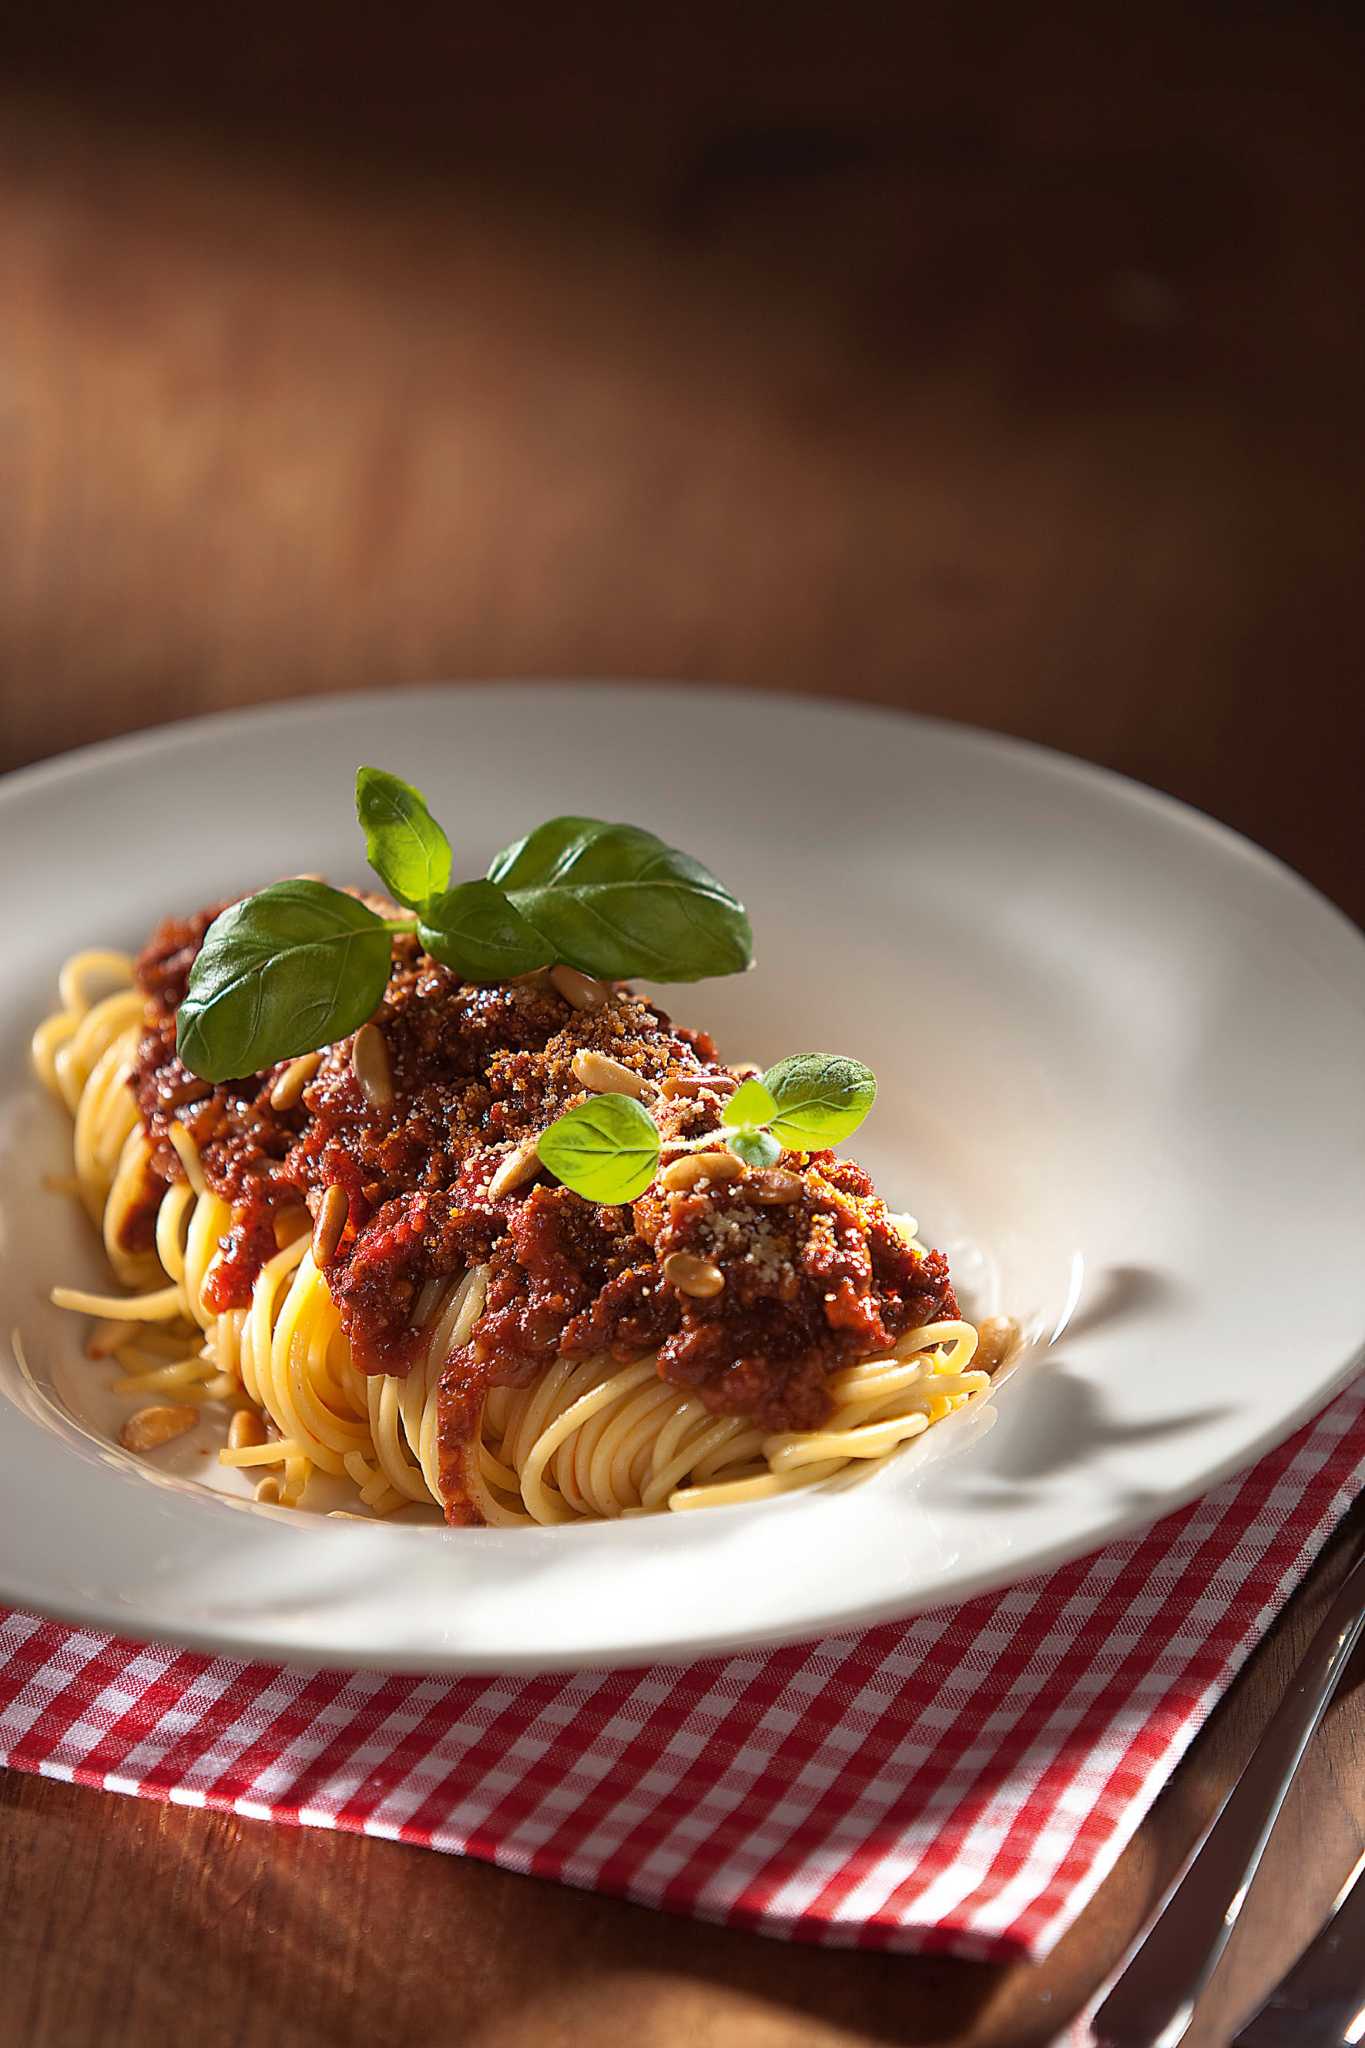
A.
pixel 607 1149
pixel 754 1147
pixel 616 901
pixel 474 929
pixel 403 842
pixel 821 1097
pixel 750 1104
pixel 295 967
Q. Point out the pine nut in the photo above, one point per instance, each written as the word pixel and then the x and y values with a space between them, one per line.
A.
pixel 774 1185
pixel 699 1084
pixel 288 1090
pixel 520 1165
pixel 150 1428
pixel 580 991
pixel 245 1428
pixel 602 1075
pixel 331 1221
pixel 996 1338
pixel 697 1277
pixel 697 1166
pixel 268 1490
pixel 370 1062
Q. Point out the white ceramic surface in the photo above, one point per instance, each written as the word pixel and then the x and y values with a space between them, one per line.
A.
pixel 1122 1063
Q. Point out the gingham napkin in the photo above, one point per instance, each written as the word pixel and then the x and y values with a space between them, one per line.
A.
pixel 960 1782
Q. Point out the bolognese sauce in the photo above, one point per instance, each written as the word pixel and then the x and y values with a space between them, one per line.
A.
pixel 752 1286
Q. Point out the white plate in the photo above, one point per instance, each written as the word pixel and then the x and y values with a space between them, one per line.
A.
pixel 1121 1056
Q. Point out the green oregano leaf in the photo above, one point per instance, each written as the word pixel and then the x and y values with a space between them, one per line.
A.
pixel 295 967
pixel 820 1099
pixel 750 1104
pixel 744 1119
pixel 754 1146
pixel 606 1149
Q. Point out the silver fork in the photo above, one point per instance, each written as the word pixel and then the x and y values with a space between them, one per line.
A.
pixel 1153 1997
pixel 1321 2003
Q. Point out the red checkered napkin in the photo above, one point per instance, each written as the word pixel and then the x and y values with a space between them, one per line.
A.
pixel 958 1782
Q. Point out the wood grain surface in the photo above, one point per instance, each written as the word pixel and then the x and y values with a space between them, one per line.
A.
pixel 999 366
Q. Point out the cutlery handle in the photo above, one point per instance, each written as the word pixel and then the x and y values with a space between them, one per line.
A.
pixel 1152 2003
pixel 1322 1998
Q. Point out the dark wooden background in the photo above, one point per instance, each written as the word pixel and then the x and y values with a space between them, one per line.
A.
pixel 997 363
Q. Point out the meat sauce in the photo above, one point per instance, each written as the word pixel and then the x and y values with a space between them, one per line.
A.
pixel 810 1284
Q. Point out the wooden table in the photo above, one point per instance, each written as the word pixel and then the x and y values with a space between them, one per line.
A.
pixel 1006 369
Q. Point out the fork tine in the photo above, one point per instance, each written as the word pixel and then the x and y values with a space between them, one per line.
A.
pixel 1320 2003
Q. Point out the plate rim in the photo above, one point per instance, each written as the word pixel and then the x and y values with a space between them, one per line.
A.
pixel 71 761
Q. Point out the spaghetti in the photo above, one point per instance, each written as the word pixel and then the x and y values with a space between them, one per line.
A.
pixel 588 1436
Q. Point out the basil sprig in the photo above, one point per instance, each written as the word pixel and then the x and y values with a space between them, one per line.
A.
pixel 607 1149
pixel 301 965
